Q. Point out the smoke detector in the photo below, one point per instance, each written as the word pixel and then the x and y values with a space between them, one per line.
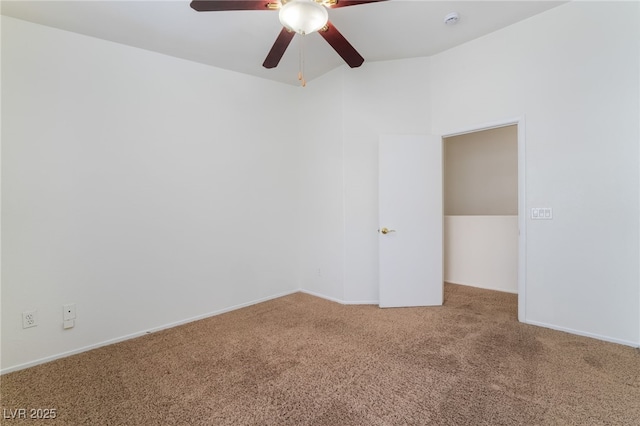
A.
pixel 452 18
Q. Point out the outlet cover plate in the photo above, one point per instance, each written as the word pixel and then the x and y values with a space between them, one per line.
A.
pixel 69 312
pixel 29 319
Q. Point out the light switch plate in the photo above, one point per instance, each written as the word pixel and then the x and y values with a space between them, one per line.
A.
pixel 542 213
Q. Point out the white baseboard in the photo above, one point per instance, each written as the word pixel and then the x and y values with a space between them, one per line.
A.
pixel 482 287
pixel 342 302
pixel 361 302
pixel 585 334
pixel 141 333
pixel 254 302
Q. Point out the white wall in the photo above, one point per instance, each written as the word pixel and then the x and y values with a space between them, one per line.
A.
pixel 482 251
pixel 379 98
pixel 340 170
pixel 146 189
pixel 481 172
pixel 573 73
pixel 321 180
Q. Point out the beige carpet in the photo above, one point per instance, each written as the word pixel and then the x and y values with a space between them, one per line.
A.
pixel 300 360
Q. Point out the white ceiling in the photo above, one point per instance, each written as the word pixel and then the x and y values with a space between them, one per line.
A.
pixel 240 40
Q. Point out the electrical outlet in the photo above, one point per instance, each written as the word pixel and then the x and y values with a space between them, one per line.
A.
pixel 29 319
pixel 69 315
pixel 69 312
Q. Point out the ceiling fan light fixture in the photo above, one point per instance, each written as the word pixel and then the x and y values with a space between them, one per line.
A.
pixel 303 16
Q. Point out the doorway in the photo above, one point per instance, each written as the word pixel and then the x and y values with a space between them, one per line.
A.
pixel 483 191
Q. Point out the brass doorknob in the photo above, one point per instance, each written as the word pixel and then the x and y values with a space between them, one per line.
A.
pixel 386 231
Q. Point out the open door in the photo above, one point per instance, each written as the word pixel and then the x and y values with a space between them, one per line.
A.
pixel 410 221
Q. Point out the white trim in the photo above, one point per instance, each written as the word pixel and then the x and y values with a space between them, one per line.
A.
pixel 264 299
pixel 483 126
pixel 522 221
pixel 501 290
pixel 361 302
pixel 344 192
pixel 585 334
pixel 522 212
pixel 342 302
pixel 141 333
pixel 638 236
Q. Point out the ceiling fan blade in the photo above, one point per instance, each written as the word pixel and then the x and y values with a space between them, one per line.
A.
pixel 278 48
pixel 220 5
pixel 332 4
pixel 341 45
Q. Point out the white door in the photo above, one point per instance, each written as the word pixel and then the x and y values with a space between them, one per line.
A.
pixel 410 220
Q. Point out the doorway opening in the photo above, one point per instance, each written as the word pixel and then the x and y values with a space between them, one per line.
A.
pixel 483 194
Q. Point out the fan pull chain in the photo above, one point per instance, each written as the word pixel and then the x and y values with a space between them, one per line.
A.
pixel 301 62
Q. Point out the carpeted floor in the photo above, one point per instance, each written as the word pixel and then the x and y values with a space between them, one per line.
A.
pixel 301 360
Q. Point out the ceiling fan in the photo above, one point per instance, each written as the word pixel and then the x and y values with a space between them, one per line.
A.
pixel 296 16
